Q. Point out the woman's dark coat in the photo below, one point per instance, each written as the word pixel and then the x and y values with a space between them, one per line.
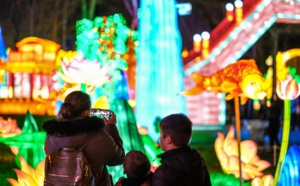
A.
pixel 104 147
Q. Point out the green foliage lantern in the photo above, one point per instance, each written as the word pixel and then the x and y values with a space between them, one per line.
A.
pixel 104 39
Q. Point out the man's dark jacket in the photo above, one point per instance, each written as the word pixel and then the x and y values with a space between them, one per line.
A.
pixel 181 167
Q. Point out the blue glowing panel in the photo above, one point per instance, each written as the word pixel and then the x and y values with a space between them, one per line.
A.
pixel 121 88
pixel 291 167
pixel 159 64
pixel 3 54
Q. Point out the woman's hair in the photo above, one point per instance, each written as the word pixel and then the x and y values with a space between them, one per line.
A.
pixel 136 164
pixel 179 127
pixel 74 105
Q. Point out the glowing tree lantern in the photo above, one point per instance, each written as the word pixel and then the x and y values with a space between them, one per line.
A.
pixel 108 41
pixel 109 44
pixel 159 64
pixel 103 39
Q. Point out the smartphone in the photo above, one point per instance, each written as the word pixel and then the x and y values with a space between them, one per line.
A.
pixel 102 113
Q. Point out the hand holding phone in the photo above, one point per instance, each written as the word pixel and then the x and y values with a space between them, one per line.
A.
pixel 111 120
pixel 108 116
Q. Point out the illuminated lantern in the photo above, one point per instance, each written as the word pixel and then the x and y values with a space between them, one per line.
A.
pixel 256 104
pixel 238 11
pixel 120 86
pixel 205 44
pixel 28 175
pixel 269 85
pixel 31 68
pixel 197 42
pixel 241 79
pixel 264 181
pixel 80 71
pixel 103 39
pixel 229 11
pixel 288 88
pixel 185 53
pixel 227 153
pixel 102 103
pixel 159 64
pixel 2 75
pixel 30 143
pixel 9 127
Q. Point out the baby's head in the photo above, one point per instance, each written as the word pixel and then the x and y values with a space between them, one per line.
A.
pixel 136 164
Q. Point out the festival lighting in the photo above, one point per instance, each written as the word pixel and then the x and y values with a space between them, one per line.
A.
pixel 185 53
pixel 197 42
pixel 205 44
pixel 238 11
pixel 184 8
pixel 227 153
pixel 159 64
pixel 291 168
pixel 28 175
pixel 3 54
pixel 28 144
pixel 287 88
pixel 103 39
pixel 233 34
pixel 265 180
pixel 105 47
pixel 129 131
pixel 229 11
